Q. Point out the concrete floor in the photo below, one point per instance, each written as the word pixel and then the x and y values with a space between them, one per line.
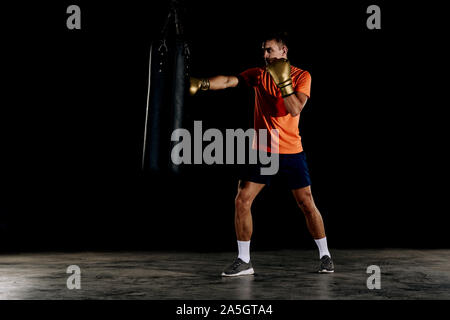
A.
pixel 281 275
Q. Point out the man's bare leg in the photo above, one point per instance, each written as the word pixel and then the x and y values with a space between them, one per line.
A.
pixel 247 192
pixel 314 222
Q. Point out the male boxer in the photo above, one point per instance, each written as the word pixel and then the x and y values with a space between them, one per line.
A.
pixel 281 92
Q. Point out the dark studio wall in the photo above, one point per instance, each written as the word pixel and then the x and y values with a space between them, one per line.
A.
pixel 74 121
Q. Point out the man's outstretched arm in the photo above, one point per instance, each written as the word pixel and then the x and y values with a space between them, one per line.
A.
pixel 223 82
pixel 213 83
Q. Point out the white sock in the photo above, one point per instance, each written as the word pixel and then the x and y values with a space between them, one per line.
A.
pixel 323 248
pixel 244 250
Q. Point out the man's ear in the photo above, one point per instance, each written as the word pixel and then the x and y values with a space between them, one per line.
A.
pixel 285 50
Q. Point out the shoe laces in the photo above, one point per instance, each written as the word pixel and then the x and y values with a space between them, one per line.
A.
pixel 326 260
pixel 236 263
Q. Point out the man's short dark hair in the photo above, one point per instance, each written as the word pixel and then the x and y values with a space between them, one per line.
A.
pixel 279 36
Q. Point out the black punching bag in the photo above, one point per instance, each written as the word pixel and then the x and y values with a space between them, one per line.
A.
pixel 153 135
pixel 179 82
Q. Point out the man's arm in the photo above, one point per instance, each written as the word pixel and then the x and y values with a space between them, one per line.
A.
pixel 213 83
pixel 280 71
pixel 295 103
pixel 223 82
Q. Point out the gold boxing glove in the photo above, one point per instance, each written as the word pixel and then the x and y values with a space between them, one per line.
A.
pixel 280 71
pixel 198 84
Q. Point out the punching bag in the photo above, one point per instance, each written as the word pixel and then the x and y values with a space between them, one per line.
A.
pixel 179 80
pixel 153 131
pixel 165 96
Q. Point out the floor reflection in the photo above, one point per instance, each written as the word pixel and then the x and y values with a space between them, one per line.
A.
pixel 242 287
pixel 324 282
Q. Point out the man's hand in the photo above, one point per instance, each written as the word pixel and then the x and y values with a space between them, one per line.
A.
pixel 198 84
pixel 280 71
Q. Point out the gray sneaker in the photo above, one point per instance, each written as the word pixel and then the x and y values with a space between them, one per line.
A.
pixel 238 268
pixel 326 265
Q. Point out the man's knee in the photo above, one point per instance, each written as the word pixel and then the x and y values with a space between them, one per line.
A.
pixel 243 201
pixel 305 201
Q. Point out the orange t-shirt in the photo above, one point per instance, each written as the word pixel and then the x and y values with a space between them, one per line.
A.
pixel 270 111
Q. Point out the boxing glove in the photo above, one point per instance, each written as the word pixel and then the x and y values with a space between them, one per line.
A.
pixel 280 71
pixel 198 84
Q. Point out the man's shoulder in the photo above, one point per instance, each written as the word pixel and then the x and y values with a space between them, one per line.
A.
pixel 254 69
pixel 299 73
pixel 252 73
pixel 251 76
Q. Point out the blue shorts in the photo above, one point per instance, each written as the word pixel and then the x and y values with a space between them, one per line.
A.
pixel 293 172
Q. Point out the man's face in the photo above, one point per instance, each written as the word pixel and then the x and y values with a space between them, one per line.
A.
pixel 273 50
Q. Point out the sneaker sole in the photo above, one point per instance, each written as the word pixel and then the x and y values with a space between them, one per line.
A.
pixel 326 271
pixel 247 272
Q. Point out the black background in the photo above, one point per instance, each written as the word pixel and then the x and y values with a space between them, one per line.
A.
pixel 73 118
